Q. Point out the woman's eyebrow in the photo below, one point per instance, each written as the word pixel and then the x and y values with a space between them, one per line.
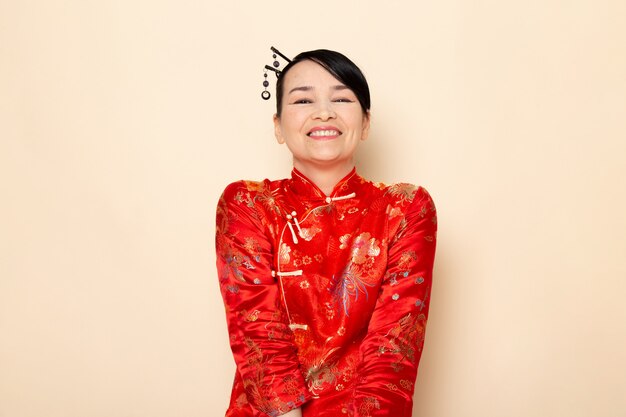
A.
pixel 303 88
pixel 337 87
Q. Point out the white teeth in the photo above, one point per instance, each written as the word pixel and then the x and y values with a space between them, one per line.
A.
pixel 324 133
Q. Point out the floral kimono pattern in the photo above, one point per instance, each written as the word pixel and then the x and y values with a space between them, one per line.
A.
pixel 326 297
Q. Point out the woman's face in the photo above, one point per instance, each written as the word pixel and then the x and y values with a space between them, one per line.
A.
pixel 321 119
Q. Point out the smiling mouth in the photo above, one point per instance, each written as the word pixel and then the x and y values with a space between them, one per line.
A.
pixel 330 133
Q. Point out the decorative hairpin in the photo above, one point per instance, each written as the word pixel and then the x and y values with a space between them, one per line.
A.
pixel 276 53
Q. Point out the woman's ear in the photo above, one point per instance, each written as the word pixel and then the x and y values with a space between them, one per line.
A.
pixel 366 125
pixel 277 130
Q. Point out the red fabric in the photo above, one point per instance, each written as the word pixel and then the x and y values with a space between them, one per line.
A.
pixel 331 317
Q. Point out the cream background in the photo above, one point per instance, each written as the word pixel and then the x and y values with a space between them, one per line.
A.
pixel 122 121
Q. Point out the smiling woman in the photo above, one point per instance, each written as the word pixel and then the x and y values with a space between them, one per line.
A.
pixel 325 275
pixel 321 122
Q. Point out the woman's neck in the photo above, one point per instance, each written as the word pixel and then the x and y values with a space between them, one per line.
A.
pixel 324 178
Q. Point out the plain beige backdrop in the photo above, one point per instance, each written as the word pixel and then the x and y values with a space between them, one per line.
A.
pixel 122 121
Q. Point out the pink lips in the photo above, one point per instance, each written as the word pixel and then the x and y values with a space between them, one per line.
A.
pixel 324 133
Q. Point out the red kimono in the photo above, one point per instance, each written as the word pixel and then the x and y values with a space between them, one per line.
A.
pixel 326 297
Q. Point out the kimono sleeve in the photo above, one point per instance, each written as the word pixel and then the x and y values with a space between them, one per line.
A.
pixel 392 348
pixel 260 339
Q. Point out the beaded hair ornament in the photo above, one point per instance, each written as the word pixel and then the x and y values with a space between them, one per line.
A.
pixel 276 53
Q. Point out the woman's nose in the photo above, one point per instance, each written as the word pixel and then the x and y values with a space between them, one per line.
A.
pixel 325 111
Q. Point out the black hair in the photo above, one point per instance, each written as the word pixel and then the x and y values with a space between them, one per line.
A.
pixel 339 66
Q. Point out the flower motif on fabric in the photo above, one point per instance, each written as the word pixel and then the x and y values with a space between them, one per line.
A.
pixel 406 259
pixel 404 193
pixel 264 195
pixel 406 384
pixel 253 316
pixel 395 212
pixel 323 210
pixel 251 245
pixel 283 253
pixel 363 246
pixel 244 198
pixel 291 385
pixel 234 264
pixel 402 228
pixel 277 330
pixel 241 401
pixel 368 405
pixel 348 287
pixel 267 401
pixel 344 240
pixel 309 233
pixel 330 311
pixel 403 339
pixel 321 370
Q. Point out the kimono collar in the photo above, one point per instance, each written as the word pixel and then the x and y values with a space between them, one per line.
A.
pixel 305 188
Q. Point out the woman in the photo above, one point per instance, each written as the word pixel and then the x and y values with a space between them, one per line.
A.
pixel 325 275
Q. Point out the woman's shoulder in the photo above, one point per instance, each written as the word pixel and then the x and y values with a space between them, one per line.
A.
pixel 246 188
pixel 409 204
pixel 404 194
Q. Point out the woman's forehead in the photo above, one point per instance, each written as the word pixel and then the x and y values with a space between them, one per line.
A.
pixel 310 74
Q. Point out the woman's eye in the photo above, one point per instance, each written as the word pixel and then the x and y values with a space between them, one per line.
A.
pixel 302 101
pixel 343 100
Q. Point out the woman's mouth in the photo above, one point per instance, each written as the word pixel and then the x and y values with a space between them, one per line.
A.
pixel 324 133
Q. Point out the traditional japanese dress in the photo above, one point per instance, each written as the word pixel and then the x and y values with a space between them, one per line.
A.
pixel 326 296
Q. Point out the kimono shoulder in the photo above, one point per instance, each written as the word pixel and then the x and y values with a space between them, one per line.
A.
pixel 253 197
pixel 406 202
pixel 246 191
